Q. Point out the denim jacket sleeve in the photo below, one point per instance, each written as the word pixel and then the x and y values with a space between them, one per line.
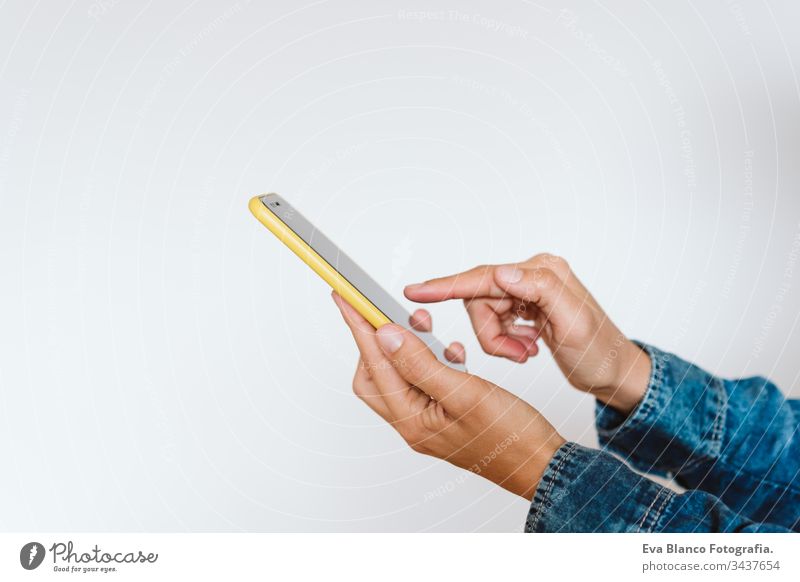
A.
pixel 586 490
pixel 735 439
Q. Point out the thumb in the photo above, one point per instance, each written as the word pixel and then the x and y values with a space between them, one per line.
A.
pixel 543 288
pixel 415 362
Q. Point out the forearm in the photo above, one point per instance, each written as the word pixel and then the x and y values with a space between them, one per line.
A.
pixel 585 490
pixel 735 439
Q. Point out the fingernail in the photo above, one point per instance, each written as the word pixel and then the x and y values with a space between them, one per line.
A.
pixel 509 274
pixel 414 286
pixel 390 338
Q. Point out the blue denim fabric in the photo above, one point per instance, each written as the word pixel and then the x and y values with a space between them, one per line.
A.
pixel 733 443
pixel 586 490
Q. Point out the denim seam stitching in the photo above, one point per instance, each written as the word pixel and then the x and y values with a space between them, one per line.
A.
pixel 552 478
pixel 667 495
pixel 664 504
pixel 655 388
pixel 649 508
pixel 549 488
pixel 717 427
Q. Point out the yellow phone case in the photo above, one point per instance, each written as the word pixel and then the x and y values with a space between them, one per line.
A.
pixel 320 266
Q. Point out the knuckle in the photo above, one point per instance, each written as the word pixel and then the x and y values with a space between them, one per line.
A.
pixel 544 278
pixel 553 262
pixel 539 259
pixel 559 264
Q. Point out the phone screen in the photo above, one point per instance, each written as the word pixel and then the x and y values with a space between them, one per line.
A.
pixel 348 269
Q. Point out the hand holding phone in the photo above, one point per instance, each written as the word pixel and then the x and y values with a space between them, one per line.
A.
pixel 449 414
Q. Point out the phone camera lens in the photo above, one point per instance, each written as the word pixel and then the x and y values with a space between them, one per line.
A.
pixel 277 204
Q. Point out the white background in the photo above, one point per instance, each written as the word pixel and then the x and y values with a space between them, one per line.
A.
pixel 166 365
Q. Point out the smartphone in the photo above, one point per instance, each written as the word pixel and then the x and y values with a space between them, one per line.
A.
pixel 336 268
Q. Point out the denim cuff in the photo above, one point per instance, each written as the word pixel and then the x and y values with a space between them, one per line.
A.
pixel 585 490
pixel 677 426
pixel 611 423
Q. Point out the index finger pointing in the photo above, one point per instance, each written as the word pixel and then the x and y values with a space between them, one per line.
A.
pixel 477 282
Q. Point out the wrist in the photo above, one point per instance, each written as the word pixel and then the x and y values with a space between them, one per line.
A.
pixel 631 379
pixel 526 476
